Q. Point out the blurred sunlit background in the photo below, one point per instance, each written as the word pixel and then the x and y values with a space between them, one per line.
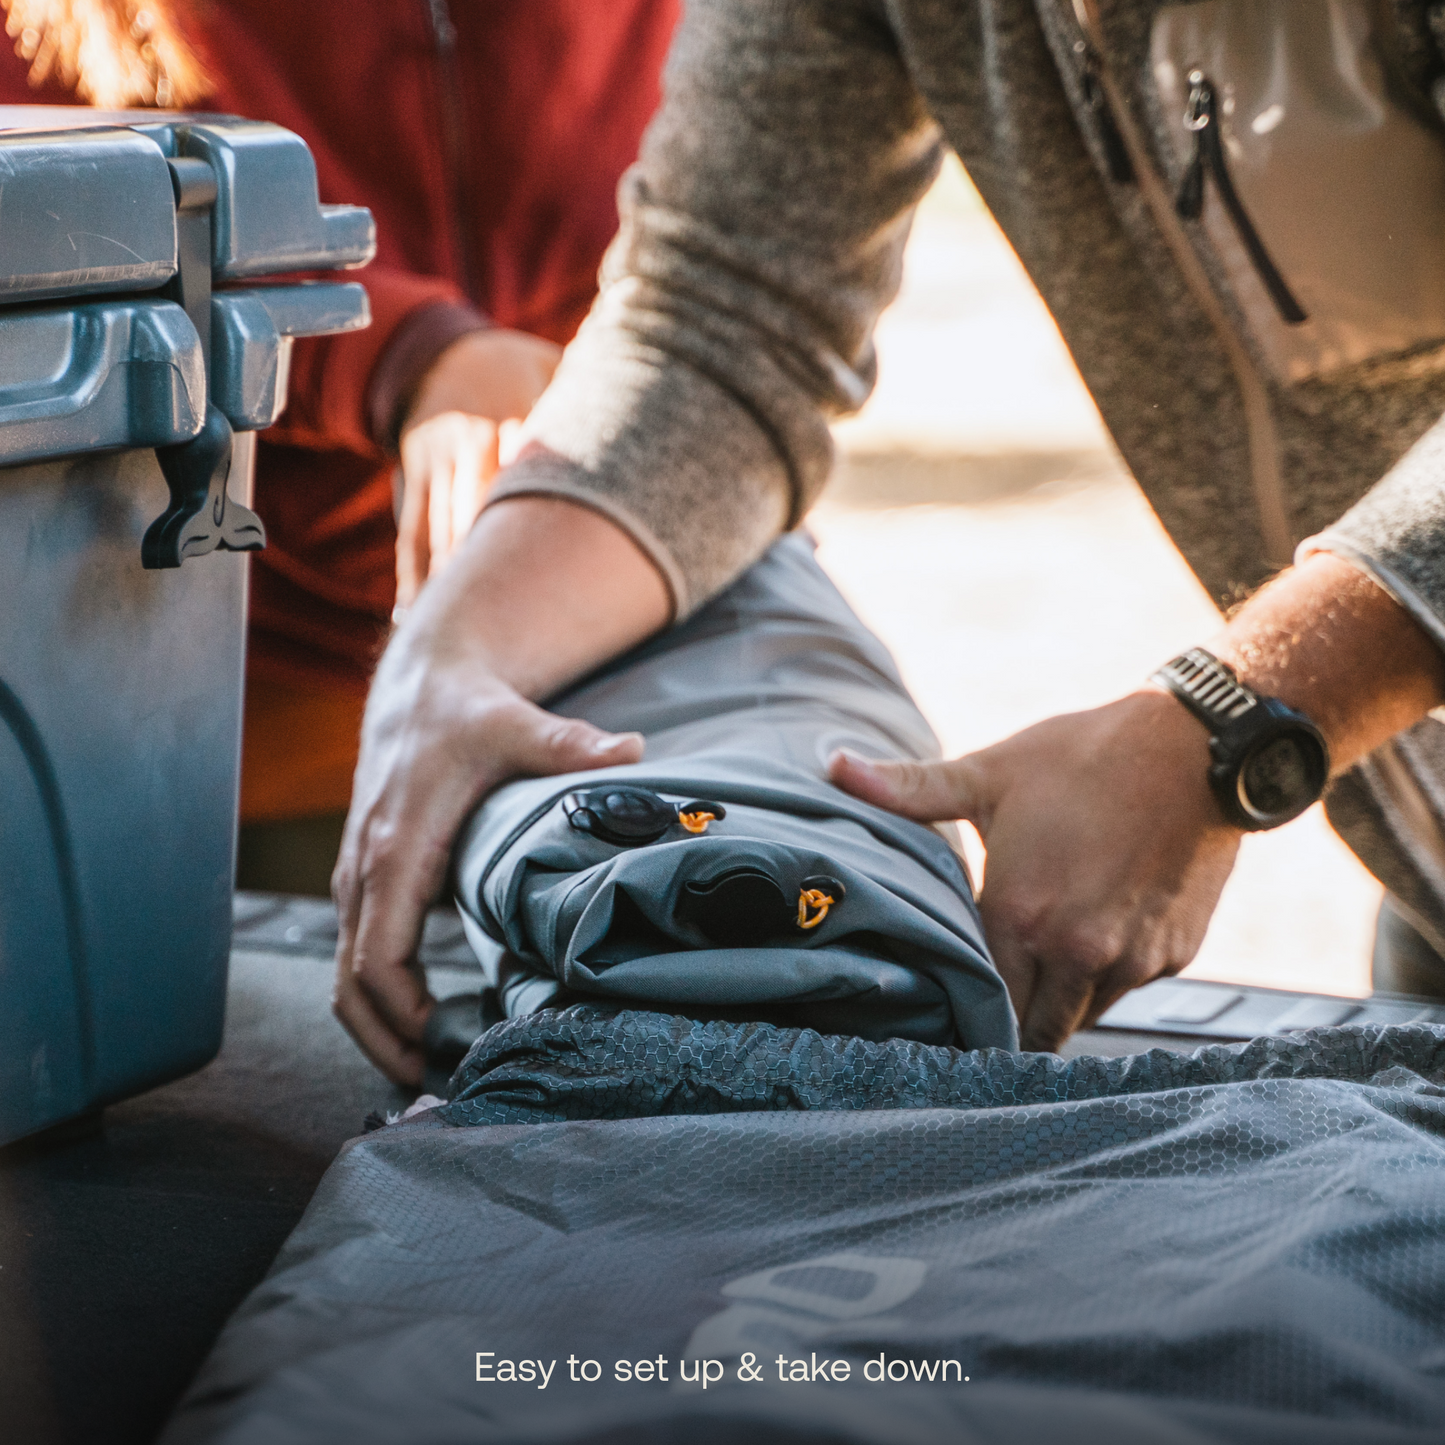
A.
pixel 981 523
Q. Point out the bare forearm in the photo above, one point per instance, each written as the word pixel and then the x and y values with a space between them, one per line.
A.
pixel 1327 639
pixel 541 592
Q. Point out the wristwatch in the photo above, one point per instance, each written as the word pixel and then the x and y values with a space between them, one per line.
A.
pixel 1270 761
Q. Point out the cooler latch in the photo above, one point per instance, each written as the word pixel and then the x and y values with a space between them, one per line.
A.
pixel 201 517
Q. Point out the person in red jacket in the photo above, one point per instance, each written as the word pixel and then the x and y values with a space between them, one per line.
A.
pixel 488 140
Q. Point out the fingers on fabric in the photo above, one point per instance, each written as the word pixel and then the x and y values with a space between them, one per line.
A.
pixel 928 791
pixel 395 855
pixel 1069 995
pixel 1056 995
pixel 392 869
pixel 1062 980
pixel 402 1062
pixel 1059 1004
pixel 1017 969
pixel 1054 959
pixel 382 894
pixel 544 744
pixel 353 1001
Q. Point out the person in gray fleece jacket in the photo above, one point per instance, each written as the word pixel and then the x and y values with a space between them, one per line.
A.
pixel 763 230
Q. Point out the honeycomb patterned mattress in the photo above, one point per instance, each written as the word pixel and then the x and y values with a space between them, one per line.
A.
pixel 727 1232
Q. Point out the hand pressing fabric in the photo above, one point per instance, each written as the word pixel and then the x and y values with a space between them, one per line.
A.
pixel 453 440
pixel 1107 851
pixel 540 592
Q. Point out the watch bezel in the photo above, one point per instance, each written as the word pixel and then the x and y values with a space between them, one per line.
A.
pixel 1241 722
pixel 1233 747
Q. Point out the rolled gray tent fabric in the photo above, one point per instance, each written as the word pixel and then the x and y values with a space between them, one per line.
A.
pixel 723 877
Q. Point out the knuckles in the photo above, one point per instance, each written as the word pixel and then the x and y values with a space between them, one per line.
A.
pixel 1089 948
pixel 1086 945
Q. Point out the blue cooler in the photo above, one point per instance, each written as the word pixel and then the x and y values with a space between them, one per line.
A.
pixel 137 359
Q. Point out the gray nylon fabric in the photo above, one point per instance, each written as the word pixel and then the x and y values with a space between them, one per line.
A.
pixel 742 705
pixel 1246 1245
pixel 591 1063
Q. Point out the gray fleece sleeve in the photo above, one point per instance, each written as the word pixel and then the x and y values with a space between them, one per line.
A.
pixel 762 232
pixel 1396 533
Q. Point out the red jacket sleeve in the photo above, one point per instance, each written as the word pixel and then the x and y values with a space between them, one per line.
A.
pixel 346 391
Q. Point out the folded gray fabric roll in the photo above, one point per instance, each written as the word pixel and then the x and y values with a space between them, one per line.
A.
pixel 723 876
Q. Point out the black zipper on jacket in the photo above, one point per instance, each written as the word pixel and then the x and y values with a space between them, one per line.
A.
pixel 1116 153
pixel 455 149
pixel 1276 532
pixel 1201 118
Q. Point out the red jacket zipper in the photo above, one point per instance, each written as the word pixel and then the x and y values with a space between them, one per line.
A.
pixel 455 149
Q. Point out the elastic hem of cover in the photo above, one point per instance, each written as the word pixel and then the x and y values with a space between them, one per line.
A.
pixel 646 539
pixel 1395 585
pixel 415 344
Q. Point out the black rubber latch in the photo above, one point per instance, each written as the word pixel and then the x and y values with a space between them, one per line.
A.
pixel 201 518
pixel 740 908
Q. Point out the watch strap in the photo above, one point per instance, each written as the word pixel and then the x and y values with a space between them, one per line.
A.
pixel 1209 688
pixel 1243 726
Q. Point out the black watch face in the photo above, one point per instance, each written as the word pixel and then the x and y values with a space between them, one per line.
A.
pixel 1280 778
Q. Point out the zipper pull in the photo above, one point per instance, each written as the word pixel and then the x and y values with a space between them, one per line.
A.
pixel 1198 114
pixel 1116 153
pixel 1201 117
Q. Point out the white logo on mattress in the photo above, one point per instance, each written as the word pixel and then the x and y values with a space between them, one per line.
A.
pixel 799 1304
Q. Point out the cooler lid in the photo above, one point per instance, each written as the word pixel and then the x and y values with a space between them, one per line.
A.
pixel 268 217
pixel 84 212
pixel 87 204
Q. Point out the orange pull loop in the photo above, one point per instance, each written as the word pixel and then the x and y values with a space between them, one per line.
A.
pixel 696 822
pixel 813 898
